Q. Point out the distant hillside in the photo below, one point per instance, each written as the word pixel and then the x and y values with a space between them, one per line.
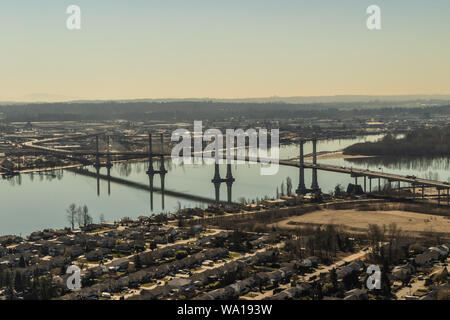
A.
pixel 208 110
pixel 412 100
pixel 421 142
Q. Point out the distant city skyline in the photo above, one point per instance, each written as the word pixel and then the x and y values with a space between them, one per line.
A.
pixel 222 49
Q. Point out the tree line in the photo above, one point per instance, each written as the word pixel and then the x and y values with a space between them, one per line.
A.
pixel 198 110
pixel 420 142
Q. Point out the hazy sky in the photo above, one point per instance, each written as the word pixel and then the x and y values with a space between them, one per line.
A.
pixel 222 49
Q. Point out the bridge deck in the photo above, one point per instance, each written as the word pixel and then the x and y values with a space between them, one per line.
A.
pixel 324 167
pixel 369 174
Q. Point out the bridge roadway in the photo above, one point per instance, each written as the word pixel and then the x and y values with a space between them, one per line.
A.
pixel 142 186
pixel 369 174
pixel 308 165
pixel 70 153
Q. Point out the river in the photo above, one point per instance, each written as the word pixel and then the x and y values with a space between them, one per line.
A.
pixel 33 202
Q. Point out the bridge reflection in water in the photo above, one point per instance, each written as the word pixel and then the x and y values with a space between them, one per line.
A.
pixel 161 171
pixel 140 186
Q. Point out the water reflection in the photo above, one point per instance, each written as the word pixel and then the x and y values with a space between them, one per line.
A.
pixel 424 167
pixel 126 169
pixel 16 180
pixel 152 190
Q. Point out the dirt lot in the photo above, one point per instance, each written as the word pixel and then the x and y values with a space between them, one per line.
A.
pixel 359 220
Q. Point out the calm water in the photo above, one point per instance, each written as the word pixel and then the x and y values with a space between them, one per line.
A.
pixel 37 201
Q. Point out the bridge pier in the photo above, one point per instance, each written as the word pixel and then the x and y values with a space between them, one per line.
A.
pixel 217 191
pixel 229 190
pixel 301 190
pixel 217 181
pixel 315 183
pixel 229 181
pixel 365 184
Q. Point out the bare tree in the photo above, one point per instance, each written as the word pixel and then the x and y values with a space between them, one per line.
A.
pixel 72 215
pixel 376 236
pixel 84 219
pixel 289 186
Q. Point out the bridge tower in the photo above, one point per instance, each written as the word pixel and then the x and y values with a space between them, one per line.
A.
pixel 150 170
pixel 108 164
pixel 301 183
pixel 108 154
pixel 229 181
pixel 97 154
pixel 217 180
pixel 315 183
pixel 162 168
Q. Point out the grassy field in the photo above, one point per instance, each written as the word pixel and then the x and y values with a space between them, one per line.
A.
pixel 358 220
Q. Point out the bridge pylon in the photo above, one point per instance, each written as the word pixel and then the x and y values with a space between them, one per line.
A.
pixel 301 190
pixel 108 154
pixel 315 184
pixel 217 180
pixel 162 169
